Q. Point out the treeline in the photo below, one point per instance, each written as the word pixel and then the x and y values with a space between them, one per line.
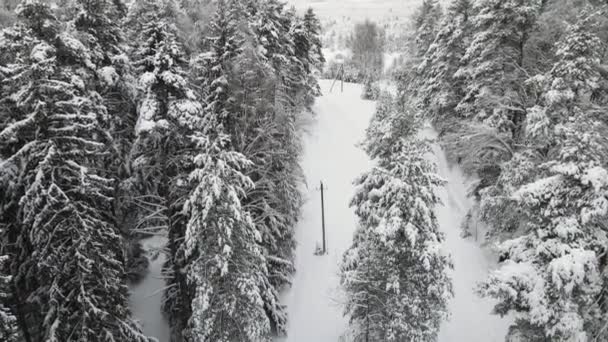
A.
pixel 365 65
pixel 161 117
pixel 517 90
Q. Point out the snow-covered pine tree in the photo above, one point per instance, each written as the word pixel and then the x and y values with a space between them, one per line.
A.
pixel 224 264
pixel 220 252
pixel 305 59
pixel 387 126
pixel 309 49
pixel 438 90
pixel 426 25
pixel 98 25
pixel 272 29
pixel 261 128
pixel 99 28
pixel 68 257
pixel 493 97
pixel 9 331
pixel 225 41
pixel 265 79
pixel 312 29
pixel 395 275
pixel 493 70
pixel 169 113
pixel 553 278
pixel 265 97
pixel 274 146
pixel 11 243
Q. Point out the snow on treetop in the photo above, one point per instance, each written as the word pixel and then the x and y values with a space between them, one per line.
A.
pixel 597 177
pixel 574 270
pixel 568 169
pixel 147 110
pixel 187 112
pixel 77 49
pixel 566 227
pixel 109 75
pixel 41 52
pixel 147 79
pixel 534 193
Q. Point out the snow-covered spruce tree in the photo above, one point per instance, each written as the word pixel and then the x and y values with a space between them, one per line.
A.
pixel 303 60
pixel 312 29
pixel 439 91
pixel 66 257
pixel 225 41
pixel 493 70
pixel 265 97
pixel 553 278
pixel 169 113
pixel 270 201
pixel 276 32
pixel 98 24
pixel 395 275
pixel 9 330
pixel 225 264
pixel 387 126
pixel 265 76
pixel 308 49
pixel 491 85
pixel 426 25
pixel 219 252
pixel 274 144
pixel 98 27
pixel 254 78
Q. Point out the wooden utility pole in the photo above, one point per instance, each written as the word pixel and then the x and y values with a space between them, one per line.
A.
pixel 323 218
pixel 341 76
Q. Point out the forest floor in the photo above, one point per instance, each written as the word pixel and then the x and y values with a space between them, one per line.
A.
pixel 331 155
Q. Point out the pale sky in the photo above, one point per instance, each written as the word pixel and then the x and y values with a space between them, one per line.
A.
pixel 358 8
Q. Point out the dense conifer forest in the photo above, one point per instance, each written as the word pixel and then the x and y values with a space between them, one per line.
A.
pixel 183 119
pixel 122 120
pixel 517 91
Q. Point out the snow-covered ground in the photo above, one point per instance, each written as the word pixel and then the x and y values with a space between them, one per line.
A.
pixel 146 296
pixel 471 318
pixel 331 155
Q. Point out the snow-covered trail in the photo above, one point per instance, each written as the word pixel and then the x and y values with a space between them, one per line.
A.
pixel 330 155
pixel 146 296
pixel 471 318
